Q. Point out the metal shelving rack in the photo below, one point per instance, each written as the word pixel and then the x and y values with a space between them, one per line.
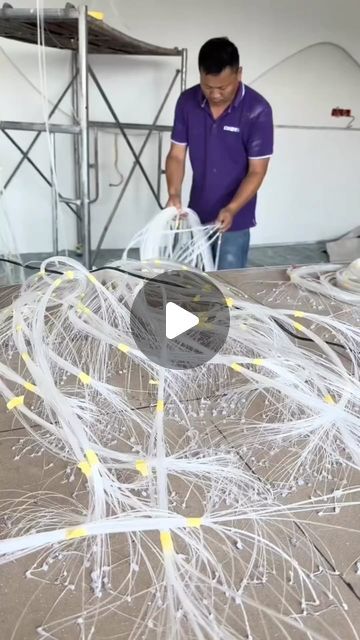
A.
pixel 83 33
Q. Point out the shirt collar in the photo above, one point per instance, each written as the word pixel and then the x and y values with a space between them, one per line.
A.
pixel 238 96
pixel 235 103
pixel 201 97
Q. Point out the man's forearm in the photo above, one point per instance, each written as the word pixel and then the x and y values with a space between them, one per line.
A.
pixel 175 171
pixel 247 190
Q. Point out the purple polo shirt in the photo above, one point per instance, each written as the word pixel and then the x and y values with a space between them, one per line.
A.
pixel 220 149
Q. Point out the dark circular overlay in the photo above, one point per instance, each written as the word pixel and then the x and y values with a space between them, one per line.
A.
pixel 191 292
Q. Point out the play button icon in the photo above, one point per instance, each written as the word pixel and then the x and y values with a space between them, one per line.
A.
pixel 179 319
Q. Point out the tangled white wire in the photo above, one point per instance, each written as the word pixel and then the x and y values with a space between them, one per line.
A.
pixel 176 237
pixel 336 281
pixel 163 477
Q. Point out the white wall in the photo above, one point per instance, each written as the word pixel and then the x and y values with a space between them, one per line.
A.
pixel 312 191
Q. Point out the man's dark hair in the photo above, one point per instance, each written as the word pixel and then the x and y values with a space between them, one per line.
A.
pixel 217 54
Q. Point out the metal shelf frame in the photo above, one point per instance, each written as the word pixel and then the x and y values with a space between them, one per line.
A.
pixel 76 30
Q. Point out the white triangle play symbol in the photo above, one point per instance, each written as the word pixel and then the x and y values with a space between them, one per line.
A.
pixel 178 320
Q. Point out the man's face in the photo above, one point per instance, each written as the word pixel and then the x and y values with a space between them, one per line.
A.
pixel 220 89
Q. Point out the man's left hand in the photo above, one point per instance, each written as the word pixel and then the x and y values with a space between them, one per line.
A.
pixel 225 220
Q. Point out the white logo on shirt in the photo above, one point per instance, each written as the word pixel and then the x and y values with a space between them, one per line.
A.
pixel 232 129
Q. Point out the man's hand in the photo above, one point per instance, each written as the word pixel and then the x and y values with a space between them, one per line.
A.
pixel 246 191
pixel 225 220
pixel 174 201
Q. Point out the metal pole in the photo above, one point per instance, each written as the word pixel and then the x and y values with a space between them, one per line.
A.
pixel 159 167
pixel 131 126
pixel 135 164
pixel 51 113
pixel 95 165
pixel 98 124
pixel 128 142
pixel 30 14
pixel 41 127
pixel 84 135
pixel 19 148
pixel 54 198
pixel 184 61
pixel 76 150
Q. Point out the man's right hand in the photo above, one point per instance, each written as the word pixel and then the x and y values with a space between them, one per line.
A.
pixel 174 201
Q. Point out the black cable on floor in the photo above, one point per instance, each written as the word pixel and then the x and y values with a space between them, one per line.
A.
pixel 172 284
pixel 111 268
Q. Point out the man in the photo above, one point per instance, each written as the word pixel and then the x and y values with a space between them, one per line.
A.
pixel 228 130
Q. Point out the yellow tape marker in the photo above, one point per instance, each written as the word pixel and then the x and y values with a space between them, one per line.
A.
pixel 156 382
pixel 85 468
pixel 85 378
pixel 258 362
pixel 299 314
pixel 329 399
pixel 82 309
pixel 30 387
pixel 57 282
pixel 69 275
pixel 194 522
pixel 160 406
pixel 41 273
pixel 166 541
pixel 98 15
pixel 157 262
pixel 88 465
pixel 25 356
pixel 197 298
pixel 123 347
pixel 142 467
pixel 15 402
pixel 92 278
pixel 229 302
pixel 72 534
pixel 298 326
pixel 184 268
pixel 92 458
pixel 237 367
pixel 19 328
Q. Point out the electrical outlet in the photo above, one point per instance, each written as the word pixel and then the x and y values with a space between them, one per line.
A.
pixel 337 112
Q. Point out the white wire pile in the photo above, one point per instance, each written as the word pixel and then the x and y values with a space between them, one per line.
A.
pixel 181 500
pixel 336 281
pixel 176 237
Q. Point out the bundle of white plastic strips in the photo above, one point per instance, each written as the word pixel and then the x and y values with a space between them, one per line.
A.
pixel 178 237
pixel 335 281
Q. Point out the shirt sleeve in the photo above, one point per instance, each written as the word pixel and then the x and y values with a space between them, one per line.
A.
pixel 180 129
pixel 260 141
